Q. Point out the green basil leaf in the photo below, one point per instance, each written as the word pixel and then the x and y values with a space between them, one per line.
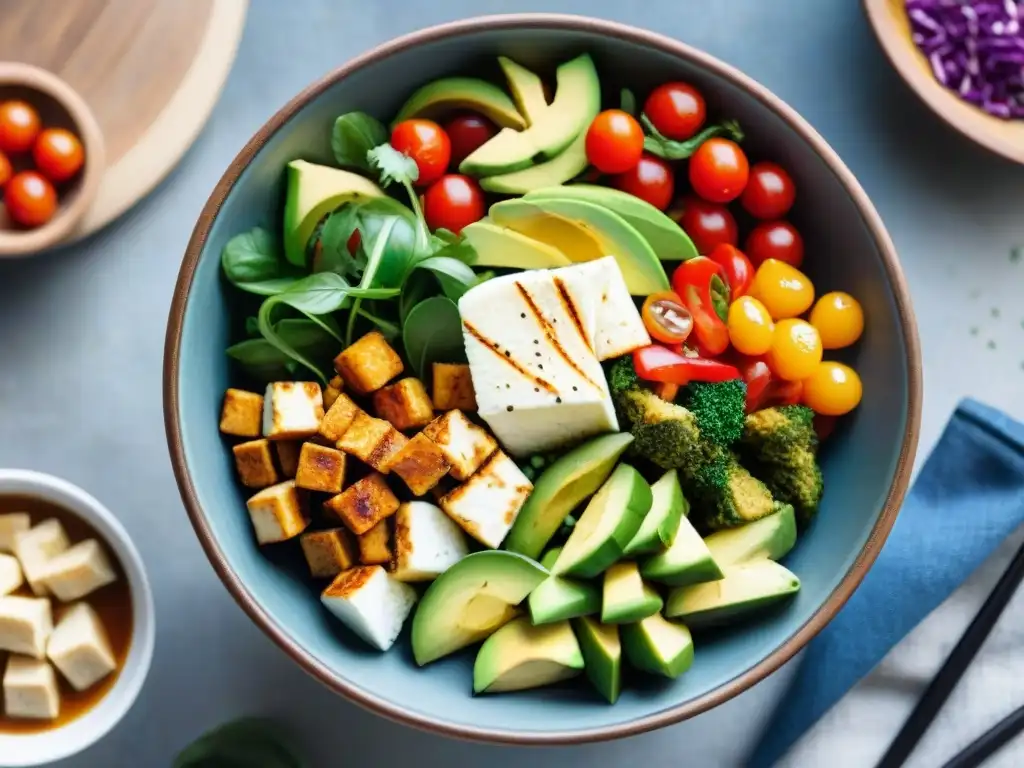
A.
pixel 246 743
pixel 432 333
pixel 658 144
pixel 355 134
pixel 454 276
pixel 377 250
pixel 627 101
pixel 419 286
pixel 264 362
pixel 253 262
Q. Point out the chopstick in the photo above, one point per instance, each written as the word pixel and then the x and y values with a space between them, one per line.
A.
pixel 956 664
pixel 977 752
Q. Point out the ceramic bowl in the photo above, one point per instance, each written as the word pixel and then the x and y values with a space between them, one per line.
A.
pixel 17 750
pixel 866 466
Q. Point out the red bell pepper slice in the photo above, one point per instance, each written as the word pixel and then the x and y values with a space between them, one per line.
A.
pixel 763 388
pixel 658 363
pixel 701 284
pixel 739 272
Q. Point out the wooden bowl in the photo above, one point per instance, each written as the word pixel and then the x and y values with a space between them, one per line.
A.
pixel 59 107
pixel 892 27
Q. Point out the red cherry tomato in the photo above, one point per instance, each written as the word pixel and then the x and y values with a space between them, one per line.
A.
pixel 758 376
pixel 58 154
pixel 5 170
pixel 700 283
pixel 769 193
pixel 676 109
pixel 452 202
pixel 426 143
pixel 824 425
pixel 666 318
pixel 467 134
pixel 651 180
pixel 19 126
pixel 775 240
pixel 739 272
pixel 707 224
pixel 615 141
pixel 719 170
pixel 30 199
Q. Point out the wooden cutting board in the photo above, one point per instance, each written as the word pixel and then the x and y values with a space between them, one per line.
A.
pixel 150 70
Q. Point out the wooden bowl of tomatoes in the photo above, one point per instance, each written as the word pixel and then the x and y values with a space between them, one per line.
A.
pixel 51 159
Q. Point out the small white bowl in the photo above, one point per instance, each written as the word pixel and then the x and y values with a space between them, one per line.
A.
pixel 22 750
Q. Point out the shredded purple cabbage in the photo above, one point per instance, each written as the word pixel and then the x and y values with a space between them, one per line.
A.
pixel 976 48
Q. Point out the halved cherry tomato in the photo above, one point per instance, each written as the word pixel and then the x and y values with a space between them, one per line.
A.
pixel 666 318
pixel 650 179
pixel 707 224
pixel 783 289
pixel 426 143
pixel 839 319
pixel 770 192
pixel 796 350
pixel 701 284
pixel 719 170
pixel 750 326
pixel 6 171
pixel 739 272
pixel 676 109
pixel 467 133
pixel 615 141
pixel 758 377
pixel 833 389
pixel 30 199
pixel 453 202
pixel 19 126
pixel 775 240
pixel 657 363
pixel 58 154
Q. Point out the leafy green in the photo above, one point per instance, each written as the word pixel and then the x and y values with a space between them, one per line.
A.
pixel 454 276
pixel 397 168
pixel 627 101
pixel 419 286
pixel 660 145
pixel 332 253
pixel 355 134
pixel 253 262
pixel 433 333
pixel 264 362
pixel 246 743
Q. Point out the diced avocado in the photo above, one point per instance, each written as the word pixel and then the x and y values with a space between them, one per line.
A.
pixel 571 478
pixel 450 94
pixel 502 247
pixel 745 590
pixel 770 537
pixel 687 561
pixel 585 231
pixel 577 97
pixel 609 522
pixel 471 600
pixel 658 529
pixel 668 240
pixel 625 597
pixel 602 655
pixel 527 89
pixel 520 656
pixel 568 165
pixel 313 192
pixel 557 598
pixel 658 646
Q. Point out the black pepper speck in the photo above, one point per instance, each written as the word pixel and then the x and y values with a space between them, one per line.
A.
pixel 558 399
pixel 507 353
pixel 536 341
pixel 522 315
pixel 509 408
pixel 575 388
pixel 537 354
pixel 540 367
pixel 536 389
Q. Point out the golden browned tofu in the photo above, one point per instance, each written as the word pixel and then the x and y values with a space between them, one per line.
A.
pixel 363 504
pixel 278 513
pixel 375 545
pixel 405 404
pixel 373 441
pixel 421 464
pixel 333 389
pixel 288 456
pixel 338 418
pixel 368 364
pixel 453 387
pixel 463 443
pixel 320 468
pixel 292 410
pixel 328 553
pixel 255 464
pixel 242 413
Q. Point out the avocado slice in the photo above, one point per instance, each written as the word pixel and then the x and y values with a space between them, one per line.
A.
pixel 687 561
pixel 658 529
pixel 658 646
pixel 602 655
pixel 771 537
pixel 502 247
pixel 471 600
pixel 527 89
pixel 520 656
pixel 668 240
pixel 585 231
pixel 561 487
pixel 450 94
pixel 577 96
pixel 746 589
pixel 557 598
pixel 313 192
pixel 609 522
pixel 625 597
pixel 568 165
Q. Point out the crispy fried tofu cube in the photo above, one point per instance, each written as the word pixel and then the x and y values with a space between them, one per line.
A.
pixel 453 387
pixel 288 456
pixel 30 689
pixel 427 542
pixel 36 547
pixel 372 441
pixel 338 418
pixel 277 513
pixel 488 503
pixel 328 553
pixel 404 403
pixel 77 571
pixel 463 443
pixel 421 464
pixel 320 468
pixel 371 603
pixel 292 410
pixel 10 526
pixel 368 364
pixel 363 504
pixel 79 647
pixel 241 414
pixel 11 576
pixel 334 388
pixel 255 464
pixel 25 625
pixel 375 545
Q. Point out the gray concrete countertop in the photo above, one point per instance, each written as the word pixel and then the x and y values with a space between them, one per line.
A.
pixel 83 332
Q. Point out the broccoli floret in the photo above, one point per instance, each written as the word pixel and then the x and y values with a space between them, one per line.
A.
pixel 770 434
pixel 726 493
pixel 622 376
pixel 796 480
pixel 719 408
pixel 663 433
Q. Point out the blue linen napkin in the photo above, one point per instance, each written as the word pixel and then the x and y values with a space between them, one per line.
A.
pixel 968 497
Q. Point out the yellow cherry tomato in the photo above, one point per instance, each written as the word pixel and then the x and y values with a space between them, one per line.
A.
pixel 782 288
pixel 833 389
pixel 839 319
pixel 795 351
pixel 750 326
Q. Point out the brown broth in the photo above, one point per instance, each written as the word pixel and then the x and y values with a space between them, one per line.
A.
pixel 112 603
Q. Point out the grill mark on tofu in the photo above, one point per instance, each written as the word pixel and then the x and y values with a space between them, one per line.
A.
pixel 549 333
pixel 571 310
pixel 494 347
pixel 351 581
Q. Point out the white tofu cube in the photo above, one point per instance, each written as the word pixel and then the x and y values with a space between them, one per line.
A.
pixel 427 542
pixel 277 513
pixel 79 647
pixel 78 571
pixel 30 689
pixel 25 625
pixel 10 526
pixel 10 574
pixel 36 547
pixel 465 445
pixel 487 504
pixel 371 603
pixel 292 410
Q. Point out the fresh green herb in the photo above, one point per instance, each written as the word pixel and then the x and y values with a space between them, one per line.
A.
pixel 418 286
pixel 660 145
pixel 253 262
pixel 432 333
pixel 333 254
pixel 264 362
pixel 355 134
pixel 396 168
pixel 388 329
pixel 627 101
pixel 246 743
pixel 454 276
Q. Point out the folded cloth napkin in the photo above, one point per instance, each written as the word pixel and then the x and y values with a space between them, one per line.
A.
pixel 968 497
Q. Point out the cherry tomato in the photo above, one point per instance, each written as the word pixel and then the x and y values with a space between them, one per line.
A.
pixel 676 109
pixel 665 317
pixel 739 272
pixel 700 283
pixel 838 318
pixel 707 224
pixel 19 126
pixel 30 199
pixel 795 351
pixel 5 170
pixel 775 240
pixel 757 376
pixel 467 134
pixel 750 326
pixel 651 180
pixel 783 289
pixel 426 143
pixel 832 389
pixel 719 170
pixel 770 193
pixel 58 154
pixel 452 202
pixel 615 141
pixel 824 425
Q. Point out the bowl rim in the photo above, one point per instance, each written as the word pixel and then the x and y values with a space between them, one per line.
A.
pixel 672 715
